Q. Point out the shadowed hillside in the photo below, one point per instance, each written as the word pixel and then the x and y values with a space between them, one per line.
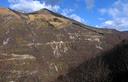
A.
pixel 111 66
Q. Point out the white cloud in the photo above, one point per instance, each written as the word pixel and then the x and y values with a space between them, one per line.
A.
pixel 119 16
pixel 66 12
pixel 119 24
pixel 89 4
pixel 102 11
pixel 78 18
pixel 31 5
pixel 70 13
pixel 109 22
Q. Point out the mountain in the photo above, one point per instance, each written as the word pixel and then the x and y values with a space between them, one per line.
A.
pixel 44 46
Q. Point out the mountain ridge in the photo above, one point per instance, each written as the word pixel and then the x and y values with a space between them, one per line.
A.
pixel 41 11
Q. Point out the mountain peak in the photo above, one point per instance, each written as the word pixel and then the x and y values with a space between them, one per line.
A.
pixel 52 18
pixel 42 11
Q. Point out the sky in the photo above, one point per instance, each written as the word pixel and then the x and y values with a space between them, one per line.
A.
pixel 112 14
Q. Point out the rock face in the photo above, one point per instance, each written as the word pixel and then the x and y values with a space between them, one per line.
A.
pixel 42 46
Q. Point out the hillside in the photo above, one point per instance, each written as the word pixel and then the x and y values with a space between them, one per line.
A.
pixel 43 45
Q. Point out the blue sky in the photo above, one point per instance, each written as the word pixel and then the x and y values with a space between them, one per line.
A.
pixel 98 13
